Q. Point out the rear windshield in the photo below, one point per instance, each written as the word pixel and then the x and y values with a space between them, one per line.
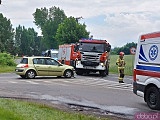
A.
pixel 24 61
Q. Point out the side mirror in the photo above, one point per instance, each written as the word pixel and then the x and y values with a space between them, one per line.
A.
pixel 60 64
pixel 108 48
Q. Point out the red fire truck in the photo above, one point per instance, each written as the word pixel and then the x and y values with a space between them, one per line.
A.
pixel 68 54
pixel 87 56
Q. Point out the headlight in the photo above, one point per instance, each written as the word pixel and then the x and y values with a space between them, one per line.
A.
pixel 78 62
pixel 102 64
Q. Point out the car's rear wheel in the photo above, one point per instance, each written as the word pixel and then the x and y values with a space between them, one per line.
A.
pixel 31 74
pixel 68 74
pixel 153 98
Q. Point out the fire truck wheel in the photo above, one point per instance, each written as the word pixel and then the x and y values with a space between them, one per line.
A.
pixel 79 72
pixel 102 73
pixel 107 70
pixel 68 74
pixel 153 98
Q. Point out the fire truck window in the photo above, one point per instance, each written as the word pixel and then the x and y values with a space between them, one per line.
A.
pixel 90 47
pixel 94 49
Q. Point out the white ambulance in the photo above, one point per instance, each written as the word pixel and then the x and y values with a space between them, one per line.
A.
pixel 147 69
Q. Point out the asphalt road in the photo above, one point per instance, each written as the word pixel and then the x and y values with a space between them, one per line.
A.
pixel 91 91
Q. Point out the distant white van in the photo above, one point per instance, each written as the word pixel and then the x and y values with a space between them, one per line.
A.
pixel 147 69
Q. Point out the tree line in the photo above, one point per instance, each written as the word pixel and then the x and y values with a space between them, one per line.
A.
pixel 56 29
pixel 126 49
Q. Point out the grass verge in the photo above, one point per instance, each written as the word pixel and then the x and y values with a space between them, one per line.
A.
pixel 6 69
pixel 22 110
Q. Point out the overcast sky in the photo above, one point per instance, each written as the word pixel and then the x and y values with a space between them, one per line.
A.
pixel 117 21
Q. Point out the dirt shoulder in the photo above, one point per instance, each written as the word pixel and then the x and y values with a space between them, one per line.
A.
pixel 74 108
pixel 81 109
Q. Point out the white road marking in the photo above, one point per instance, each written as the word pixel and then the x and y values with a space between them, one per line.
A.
pixel 31 82
pixel 12 82
pixel 86 81
pixel 101 82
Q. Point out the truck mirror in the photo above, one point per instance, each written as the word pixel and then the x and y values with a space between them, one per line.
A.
pixel 108 48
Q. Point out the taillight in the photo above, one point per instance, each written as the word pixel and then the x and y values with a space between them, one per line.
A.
pixel 25 66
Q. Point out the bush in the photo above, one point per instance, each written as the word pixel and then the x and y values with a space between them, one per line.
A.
pixel 6 59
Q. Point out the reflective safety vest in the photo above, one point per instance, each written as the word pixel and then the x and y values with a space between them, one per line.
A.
pixel 121 63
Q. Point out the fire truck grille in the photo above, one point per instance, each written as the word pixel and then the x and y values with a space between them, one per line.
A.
pixel 90 60
pixel 93 58
pixel 89 63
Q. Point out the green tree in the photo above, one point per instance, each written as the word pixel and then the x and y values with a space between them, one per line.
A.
pixel 18 34
pixel 48 20
pixel 6 35
pixel 40 17
pixel 70 31
pixel 26 41
pixel 125 48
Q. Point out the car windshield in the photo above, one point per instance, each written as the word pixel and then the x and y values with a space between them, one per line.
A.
pixel 24 61
pixel 90 47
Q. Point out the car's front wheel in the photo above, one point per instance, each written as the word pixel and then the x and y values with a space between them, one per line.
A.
pixel 31 74
pixel 153 98
pixel 68 74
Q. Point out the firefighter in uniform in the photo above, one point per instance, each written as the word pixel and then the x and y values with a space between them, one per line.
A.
pixel 121 64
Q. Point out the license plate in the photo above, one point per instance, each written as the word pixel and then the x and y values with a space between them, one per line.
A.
pixel 87 67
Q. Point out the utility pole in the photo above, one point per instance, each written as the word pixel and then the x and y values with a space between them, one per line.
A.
pixel 0 2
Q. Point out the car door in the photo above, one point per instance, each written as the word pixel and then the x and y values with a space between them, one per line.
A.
pixel 55 68
pixel 41 67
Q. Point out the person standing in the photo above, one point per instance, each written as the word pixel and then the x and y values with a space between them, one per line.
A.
pixel 121 65
pixel 49 53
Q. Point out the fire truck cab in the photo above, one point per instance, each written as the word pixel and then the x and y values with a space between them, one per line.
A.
pixel 147 69
pixel 94 56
